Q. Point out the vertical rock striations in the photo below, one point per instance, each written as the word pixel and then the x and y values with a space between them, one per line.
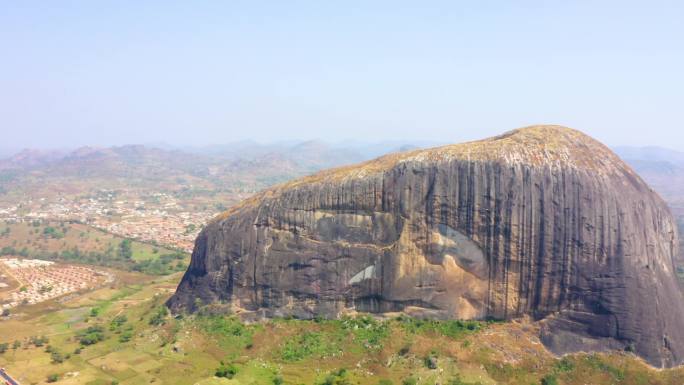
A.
pixel 541 221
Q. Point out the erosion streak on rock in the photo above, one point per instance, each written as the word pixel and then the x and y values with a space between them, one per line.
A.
pixel 540 221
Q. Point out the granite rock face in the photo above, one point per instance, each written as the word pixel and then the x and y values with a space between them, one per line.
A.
pixel 541 221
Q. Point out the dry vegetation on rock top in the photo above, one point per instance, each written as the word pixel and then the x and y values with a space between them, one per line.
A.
pixel 549 145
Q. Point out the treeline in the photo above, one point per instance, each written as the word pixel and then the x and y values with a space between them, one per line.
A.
pixel 165 264
pixel 119 258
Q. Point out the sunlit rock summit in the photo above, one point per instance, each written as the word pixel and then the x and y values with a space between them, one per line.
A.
pixel 541 221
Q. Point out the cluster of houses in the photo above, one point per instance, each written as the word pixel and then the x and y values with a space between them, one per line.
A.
pixel 43 280
pixel 176 231
pixel 157 218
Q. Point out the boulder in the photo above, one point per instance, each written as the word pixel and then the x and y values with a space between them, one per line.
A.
pixel 541 221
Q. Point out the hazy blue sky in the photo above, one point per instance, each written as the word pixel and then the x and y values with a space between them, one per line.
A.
pixel 200 72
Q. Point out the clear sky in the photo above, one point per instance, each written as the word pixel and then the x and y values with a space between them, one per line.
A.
pixel 202 72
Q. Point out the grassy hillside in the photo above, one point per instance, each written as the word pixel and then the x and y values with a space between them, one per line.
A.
pixel 123 335
pixel 79 243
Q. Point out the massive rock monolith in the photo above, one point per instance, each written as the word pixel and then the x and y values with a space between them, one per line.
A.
pixel 541 221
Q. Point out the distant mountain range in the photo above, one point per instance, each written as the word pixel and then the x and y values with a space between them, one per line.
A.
pixel 663 170
pixel 239 167
pixel 252 166
pixel 313 153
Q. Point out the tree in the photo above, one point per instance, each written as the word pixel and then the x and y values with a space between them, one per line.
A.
pixel 91 335
pixel 226 370
pixel 38 341
pixel 117 322
pixel 126 336
pixel 3 347
pixel 126 249
pixel 190 228
pixel 16 345
pixel 57 357
pixel 51 232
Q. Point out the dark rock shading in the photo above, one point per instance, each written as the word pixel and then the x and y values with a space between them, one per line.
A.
pixel 541 221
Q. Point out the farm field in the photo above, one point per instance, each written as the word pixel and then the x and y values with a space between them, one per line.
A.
pixel 121 334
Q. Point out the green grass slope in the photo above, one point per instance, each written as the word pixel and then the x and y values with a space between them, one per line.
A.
pixel 123 335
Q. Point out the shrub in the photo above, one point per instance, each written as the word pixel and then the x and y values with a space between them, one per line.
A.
pixel 458 381
pixel 118 321
pixel 367 331
pixel 89 339
pixel 229 331
pixel 56 357
pixel 430 361
pixel 409 381
pixel 4 347
pixel 450 328
pixel 404 350
pixel 385 381
pixel 53 378
pixel 549 379
pixel 91 335
pixel 278 380
pixel 126 336
pixel 51 232
pixel 597 363
pixel 328 380
pixel 159 318
pixel 38 341
pixel 338 377
pixel 306 345
pixel 226 370
pixel 564 365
